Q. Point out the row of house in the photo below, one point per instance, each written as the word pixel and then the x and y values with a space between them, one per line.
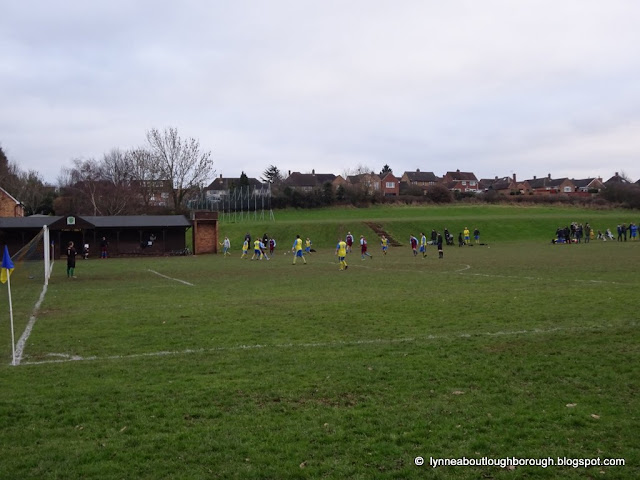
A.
pixel 157 193
pixel 391 185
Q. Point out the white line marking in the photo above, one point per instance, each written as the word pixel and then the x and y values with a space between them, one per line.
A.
pixel 463 271
pixel 64 358
pixel 171 278
pixel 27 331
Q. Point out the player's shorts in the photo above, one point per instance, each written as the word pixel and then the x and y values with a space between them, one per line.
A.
pixel 298 253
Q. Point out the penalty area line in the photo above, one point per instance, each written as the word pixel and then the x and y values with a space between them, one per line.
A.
pixel 171 278
pixel 65 358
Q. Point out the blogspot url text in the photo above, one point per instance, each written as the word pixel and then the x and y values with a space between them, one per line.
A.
pixel 507 462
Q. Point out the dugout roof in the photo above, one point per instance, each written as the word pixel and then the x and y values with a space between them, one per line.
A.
pixel 89 222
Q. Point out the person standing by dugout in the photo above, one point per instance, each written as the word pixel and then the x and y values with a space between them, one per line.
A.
pixel 104 247
pixel 71 260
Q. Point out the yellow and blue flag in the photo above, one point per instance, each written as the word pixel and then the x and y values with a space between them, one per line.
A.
pixel 7 266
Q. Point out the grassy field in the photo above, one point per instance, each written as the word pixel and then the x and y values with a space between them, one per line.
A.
pixel 212 367
pixel 497 223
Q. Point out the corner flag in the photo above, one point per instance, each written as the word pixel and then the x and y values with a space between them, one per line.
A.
pixel 7 266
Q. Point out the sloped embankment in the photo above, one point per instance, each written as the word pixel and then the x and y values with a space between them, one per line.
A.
pixel 376 227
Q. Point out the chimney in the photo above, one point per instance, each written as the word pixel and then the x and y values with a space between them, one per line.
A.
pixel 534 177
pixel 514 178
pixel 289 172
pixel 616 174
pixel 220 176
pixel 549 176
pixel 313 171
pixel 496 177
pixel 417 170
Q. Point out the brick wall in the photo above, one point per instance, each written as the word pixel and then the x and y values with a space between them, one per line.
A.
pixel 9 208
pixel 205 232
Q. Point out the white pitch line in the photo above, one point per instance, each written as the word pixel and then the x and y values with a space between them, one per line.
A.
pixel 64 358
pixel 171 278
pixel 27 331
pixel 463 271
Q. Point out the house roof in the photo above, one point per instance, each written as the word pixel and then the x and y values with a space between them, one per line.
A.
pixel 297 179
pixel 556 182
pixel 10 196
pixel 458 175
pixel 503 183
pixel 617 179
pixel 221 183
pixel 539 182
pixel 360 177
pixel 419 176
pixel 583 182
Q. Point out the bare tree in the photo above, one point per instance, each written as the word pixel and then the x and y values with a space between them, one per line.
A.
pixel 146 177
pixel 180 161
pixel 115 175
pixel 359 170
pixel 31 190
pixel 98 188
pixel 83 180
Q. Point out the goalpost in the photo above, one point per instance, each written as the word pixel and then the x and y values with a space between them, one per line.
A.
pixel 35 259
pixel 27 285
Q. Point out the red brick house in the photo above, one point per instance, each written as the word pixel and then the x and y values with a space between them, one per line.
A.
pixel 590 186
pixel 504 186
pixel 460 181
pixel 551 186
pixel 9 206
pixel 422 180
pixel 390 185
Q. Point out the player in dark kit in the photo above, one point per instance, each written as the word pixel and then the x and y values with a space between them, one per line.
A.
pixel 71 260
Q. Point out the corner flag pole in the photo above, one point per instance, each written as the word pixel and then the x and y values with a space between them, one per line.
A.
pixel 5 276
pixel 13 336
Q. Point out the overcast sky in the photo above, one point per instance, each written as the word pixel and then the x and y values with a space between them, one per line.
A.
pixel 491 87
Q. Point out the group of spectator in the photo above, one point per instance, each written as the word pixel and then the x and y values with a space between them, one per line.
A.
pixel 577 232
pixel 624 230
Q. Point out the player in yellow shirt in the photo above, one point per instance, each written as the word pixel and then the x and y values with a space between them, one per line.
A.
pixel 307 246
pixel 257 252
pixel 384 243
pixel 467 236
pixel 423 244
pixel 245 248
pixel 296 248
pixel 341 252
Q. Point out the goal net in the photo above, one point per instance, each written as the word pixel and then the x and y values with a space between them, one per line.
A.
pixel 32 266
pixel 33 261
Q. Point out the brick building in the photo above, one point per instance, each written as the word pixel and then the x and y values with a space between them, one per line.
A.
pixel 9 206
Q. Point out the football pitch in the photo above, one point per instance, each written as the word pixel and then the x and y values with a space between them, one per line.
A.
pixel 213 367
